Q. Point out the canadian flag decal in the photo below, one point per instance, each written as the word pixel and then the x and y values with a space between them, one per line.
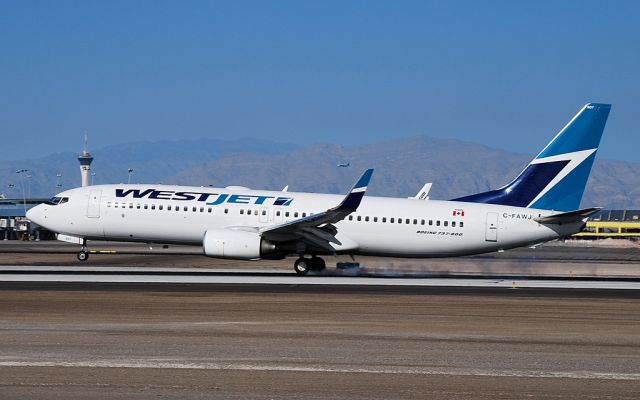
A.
pixel 458 213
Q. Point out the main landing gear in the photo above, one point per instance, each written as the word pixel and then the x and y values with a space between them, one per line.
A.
pixel 303 265
pixel 83 254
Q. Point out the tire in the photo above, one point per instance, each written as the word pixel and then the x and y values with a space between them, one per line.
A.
pixel 83 256
pixel 318 264
pixel 302 266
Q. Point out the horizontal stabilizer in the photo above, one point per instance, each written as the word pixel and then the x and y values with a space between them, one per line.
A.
pixel 571 216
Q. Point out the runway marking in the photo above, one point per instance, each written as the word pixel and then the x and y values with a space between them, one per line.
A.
pixel 146 364
pixel 511 284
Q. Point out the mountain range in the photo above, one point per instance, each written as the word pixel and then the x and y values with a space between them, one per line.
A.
pixel 455 167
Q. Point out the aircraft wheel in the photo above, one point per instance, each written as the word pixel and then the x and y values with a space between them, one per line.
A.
pixel 318 264
pixel 302 265
pixel 83 256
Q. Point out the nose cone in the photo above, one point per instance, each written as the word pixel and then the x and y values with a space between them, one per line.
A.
pixel 36 214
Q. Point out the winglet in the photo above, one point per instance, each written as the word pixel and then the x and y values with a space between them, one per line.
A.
pixel 352 200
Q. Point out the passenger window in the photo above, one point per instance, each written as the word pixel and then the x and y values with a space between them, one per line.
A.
pixel 277 213
pixel 384 219
pixel 130 205
pixel 453 224
pixel 375 219
pixel 350 217
pixel 226 211
pixel 430 222
pixel 241 211
pixel 108 204
pixel 286 214
pixel 255 212
pixel 461 224
pixel 160 207
pixel 194 209
pixel 168 208
pixel 209 209
pixel 201 209
pixel 359 218
pixel 295 214
pixel 446 223
pixel 392 220
pixel 399 220
pixel 415 222
pixel 421 222
pixel 304 214
pixel 153 206
pixel 437 223
pixel 264 212
pixel 146 207
pixel 186 208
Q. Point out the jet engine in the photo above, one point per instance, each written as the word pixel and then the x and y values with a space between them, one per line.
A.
pixel 241 245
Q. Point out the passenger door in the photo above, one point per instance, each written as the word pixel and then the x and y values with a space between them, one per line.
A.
pixel 93 208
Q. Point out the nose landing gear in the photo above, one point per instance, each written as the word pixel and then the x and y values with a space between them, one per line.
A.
pixel 83 254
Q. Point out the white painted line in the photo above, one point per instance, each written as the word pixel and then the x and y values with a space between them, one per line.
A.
pixel 328 369
pixel 319 281
pixel 142 270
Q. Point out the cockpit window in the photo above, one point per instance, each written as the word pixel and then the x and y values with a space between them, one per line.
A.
pixel 54 201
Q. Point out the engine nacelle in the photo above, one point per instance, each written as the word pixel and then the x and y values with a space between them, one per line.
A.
pixel 241 245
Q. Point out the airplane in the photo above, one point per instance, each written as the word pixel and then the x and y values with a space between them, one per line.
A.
pixel 540 204
pixel 344 165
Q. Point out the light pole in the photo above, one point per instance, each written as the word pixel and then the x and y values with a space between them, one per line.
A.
pixel 29 185
pixel 129 171
pixel 58 184
pixel 21 173
pixel 93 174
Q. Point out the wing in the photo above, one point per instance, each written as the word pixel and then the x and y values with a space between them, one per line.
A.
pixel 317 229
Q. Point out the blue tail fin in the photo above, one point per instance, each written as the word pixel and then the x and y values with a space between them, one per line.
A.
pixel 556 178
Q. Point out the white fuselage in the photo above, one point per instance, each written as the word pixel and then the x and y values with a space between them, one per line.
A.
pixel 381 226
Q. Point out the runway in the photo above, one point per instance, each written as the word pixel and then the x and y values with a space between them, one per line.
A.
pixel 256 277
pixel 185 326
pixel 546 262
pixel 85 340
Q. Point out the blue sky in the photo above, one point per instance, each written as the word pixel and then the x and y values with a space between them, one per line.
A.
pixel 504 73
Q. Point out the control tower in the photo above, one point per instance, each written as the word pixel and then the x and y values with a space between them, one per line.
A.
pixel 85 159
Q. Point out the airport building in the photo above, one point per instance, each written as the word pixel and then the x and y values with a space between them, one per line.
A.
pixel 13 223
pixel 622 224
